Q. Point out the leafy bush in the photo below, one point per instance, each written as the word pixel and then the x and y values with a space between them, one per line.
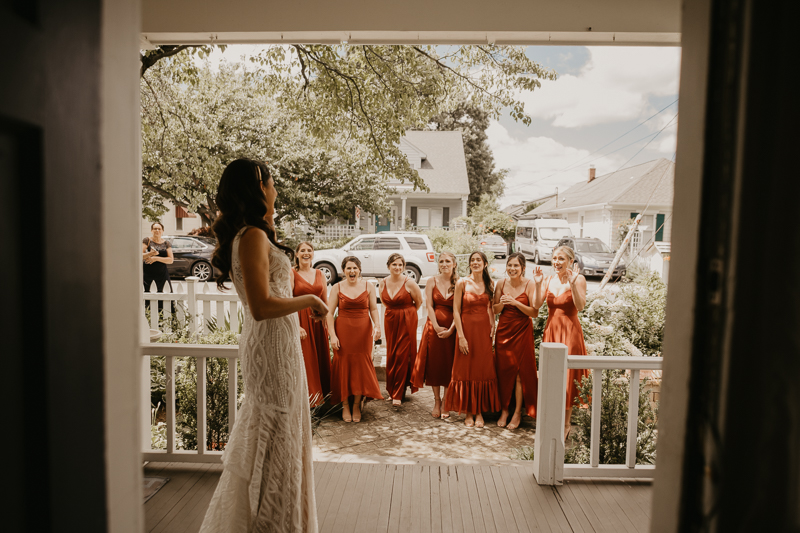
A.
pixel 628 321
pixel 319 243
pixel 186 386
pixel 613 422
pixel 458 242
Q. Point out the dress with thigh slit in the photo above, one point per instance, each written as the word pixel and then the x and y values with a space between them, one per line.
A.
pixel 515 354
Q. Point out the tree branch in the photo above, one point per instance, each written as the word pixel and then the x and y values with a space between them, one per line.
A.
pixel 154 56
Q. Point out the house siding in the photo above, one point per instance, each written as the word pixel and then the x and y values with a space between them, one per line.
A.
pixel 170 223
pixel 454 206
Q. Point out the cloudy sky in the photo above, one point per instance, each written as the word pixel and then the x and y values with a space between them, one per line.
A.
pixel 601 94
pixel 591 115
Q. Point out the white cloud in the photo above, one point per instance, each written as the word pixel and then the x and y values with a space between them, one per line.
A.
pixel 537 165
pixel 615 85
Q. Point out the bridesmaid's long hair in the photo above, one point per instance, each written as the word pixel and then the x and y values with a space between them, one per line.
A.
pixel 487 279
pixel 297 251
pixel 454 273
pixel 241 203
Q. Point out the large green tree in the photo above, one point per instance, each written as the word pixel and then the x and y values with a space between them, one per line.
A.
pixel 359 99
pixel 195 120
pixel 472 122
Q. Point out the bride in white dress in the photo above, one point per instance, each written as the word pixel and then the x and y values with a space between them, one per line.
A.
pixel 267 482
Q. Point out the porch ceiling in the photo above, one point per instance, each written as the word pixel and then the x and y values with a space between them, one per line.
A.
pixel 620 22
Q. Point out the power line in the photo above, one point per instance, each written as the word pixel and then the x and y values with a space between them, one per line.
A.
pixel 536 180
pixel 581 160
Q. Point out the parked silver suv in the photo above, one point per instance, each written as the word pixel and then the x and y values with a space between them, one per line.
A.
pixel 374 249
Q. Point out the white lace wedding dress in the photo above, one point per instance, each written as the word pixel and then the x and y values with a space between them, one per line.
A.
pixel 267 482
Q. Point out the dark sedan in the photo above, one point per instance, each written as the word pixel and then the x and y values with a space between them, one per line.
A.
pixel 593 256
pixel 192 257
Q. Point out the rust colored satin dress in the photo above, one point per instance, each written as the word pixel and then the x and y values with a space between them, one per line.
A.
pixel 315 346
pixel 515 355
pixel 563 326
pixel 434 366
pixel 353 373
pixel 400 326
pixel 473 387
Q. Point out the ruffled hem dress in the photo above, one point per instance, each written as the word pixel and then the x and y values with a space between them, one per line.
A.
pixel 473 386
pixel 353 373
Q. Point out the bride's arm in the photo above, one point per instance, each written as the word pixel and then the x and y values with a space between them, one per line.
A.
pixel 254 258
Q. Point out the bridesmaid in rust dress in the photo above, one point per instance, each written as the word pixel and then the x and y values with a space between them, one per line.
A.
pixel 353 334
pixel 434 366
pixel 313 336
pixel 565 292
pixel 514 348
pixel 473 387
pixel 400 325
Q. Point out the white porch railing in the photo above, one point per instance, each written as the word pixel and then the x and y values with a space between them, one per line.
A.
pixel 192 297
pixel 202 352
pixel 549 467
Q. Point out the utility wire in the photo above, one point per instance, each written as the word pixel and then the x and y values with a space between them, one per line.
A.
pixel 581 160
pixel 536 180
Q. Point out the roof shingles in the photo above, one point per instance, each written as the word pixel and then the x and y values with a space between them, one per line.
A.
pixel 444 170
pixel 631 186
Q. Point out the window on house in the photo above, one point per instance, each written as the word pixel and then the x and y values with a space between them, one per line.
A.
pixel 179 224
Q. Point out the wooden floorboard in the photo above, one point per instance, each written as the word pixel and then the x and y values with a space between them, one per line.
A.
pixel 573 510
pixel 403 497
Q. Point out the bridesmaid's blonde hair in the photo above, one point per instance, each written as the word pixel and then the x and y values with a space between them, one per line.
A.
pixel 567 250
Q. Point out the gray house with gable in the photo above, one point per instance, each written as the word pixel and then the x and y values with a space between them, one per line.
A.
pixel 596 207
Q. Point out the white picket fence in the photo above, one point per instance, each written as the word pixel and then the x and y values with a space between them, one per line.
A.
pixel 198 303
pixel 554 362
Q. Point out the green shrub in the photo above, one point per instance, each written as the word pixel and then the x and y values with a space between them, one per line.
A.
pixel 613 422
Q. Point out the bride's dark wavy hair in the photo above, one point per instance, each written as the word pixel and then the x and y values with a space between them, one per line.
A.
pixel 241 203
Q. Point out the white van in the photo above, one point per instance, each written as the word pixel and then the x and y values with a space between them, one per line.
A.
pixel 538 236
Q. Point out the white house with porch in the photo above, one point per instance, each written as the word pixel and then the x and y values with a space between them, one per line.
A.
pixel 438 156
pixel 596 207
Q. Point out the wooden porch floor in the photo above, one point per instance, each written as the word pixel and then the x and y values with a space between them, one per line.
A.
pixel 390 495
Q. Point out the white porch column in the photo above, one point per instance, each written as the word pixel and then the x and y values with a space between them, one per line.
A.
pixel 403 212
pixel 548 444
pixel 464 206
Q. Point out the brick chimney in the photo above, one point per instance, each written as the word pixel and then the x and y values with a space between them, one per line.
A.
pixel 591 173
